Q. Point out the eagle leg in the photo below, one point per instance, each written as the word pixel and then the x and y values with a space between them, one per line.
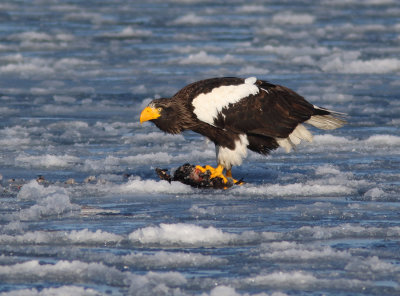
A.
pixel 229 175
pixel 215 172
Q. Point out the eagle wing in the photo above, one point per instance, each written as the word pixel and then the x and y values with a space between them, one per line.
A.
pixel 275 111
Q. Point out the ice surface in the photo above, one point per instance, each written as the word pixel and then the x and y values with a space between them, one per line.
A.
pixel 81 208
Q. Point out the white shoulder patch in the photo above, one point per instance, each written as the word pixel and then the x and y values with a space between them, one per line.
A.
pixel 207 106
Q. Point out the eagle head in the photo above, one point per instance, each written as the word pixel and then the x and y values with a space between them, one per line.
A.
pixel 164 113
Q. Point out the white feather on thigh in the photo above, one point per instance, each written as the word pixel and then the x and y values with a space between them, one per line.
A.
pixel 230 157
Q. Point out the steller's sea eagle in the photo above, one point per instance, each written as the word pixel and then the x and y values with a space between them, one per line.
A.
pixel 239 114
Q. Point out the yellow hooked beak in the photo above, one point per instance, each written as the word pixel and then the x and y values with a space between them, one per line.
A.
pixel 149 113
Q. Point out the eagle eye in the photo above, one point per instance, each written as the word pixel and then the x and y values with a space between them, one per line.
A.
pixel 159 109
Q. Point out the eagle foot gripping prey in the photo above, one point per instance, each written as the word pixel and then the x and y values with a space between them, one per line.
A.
pixel 199 177
pixel 218 173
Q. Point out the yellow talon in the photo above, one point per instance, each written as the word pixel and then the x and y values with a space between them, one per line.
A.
pixel 218 172
pixel 215 172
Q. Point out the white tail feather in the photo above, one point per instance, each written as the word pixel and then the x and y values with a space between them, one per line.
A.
pixel 326 122
pixel 298 134
pixel 285 143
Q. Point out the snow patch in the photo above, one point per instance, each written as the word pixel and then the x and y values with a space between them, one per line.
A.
pixel 129 32
pixel 252 70
pixel 64 99
pixel 84 236
pixel 203 58
pixel 300 280
pixel 157 283
pixel 182 234
pixel 170 259
pixel 374 194
pixel 327 170
pixel 46 161
pixel 292 251
pixel 250 8
pixel 157 137
pixel 112 163
pixel 41 36
pixel 50 201
pixel 68 271
pixel 190 19
pixel 372 265
pixel 377 66
pixel 295 189
pixel 344 231
pixel 290 280
pixel 293 18
pixel 230 291
pixel 63 290
pixel 268 31
pixel 150 186
pixel 383 140
pixel 330 140
pixel 91 237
